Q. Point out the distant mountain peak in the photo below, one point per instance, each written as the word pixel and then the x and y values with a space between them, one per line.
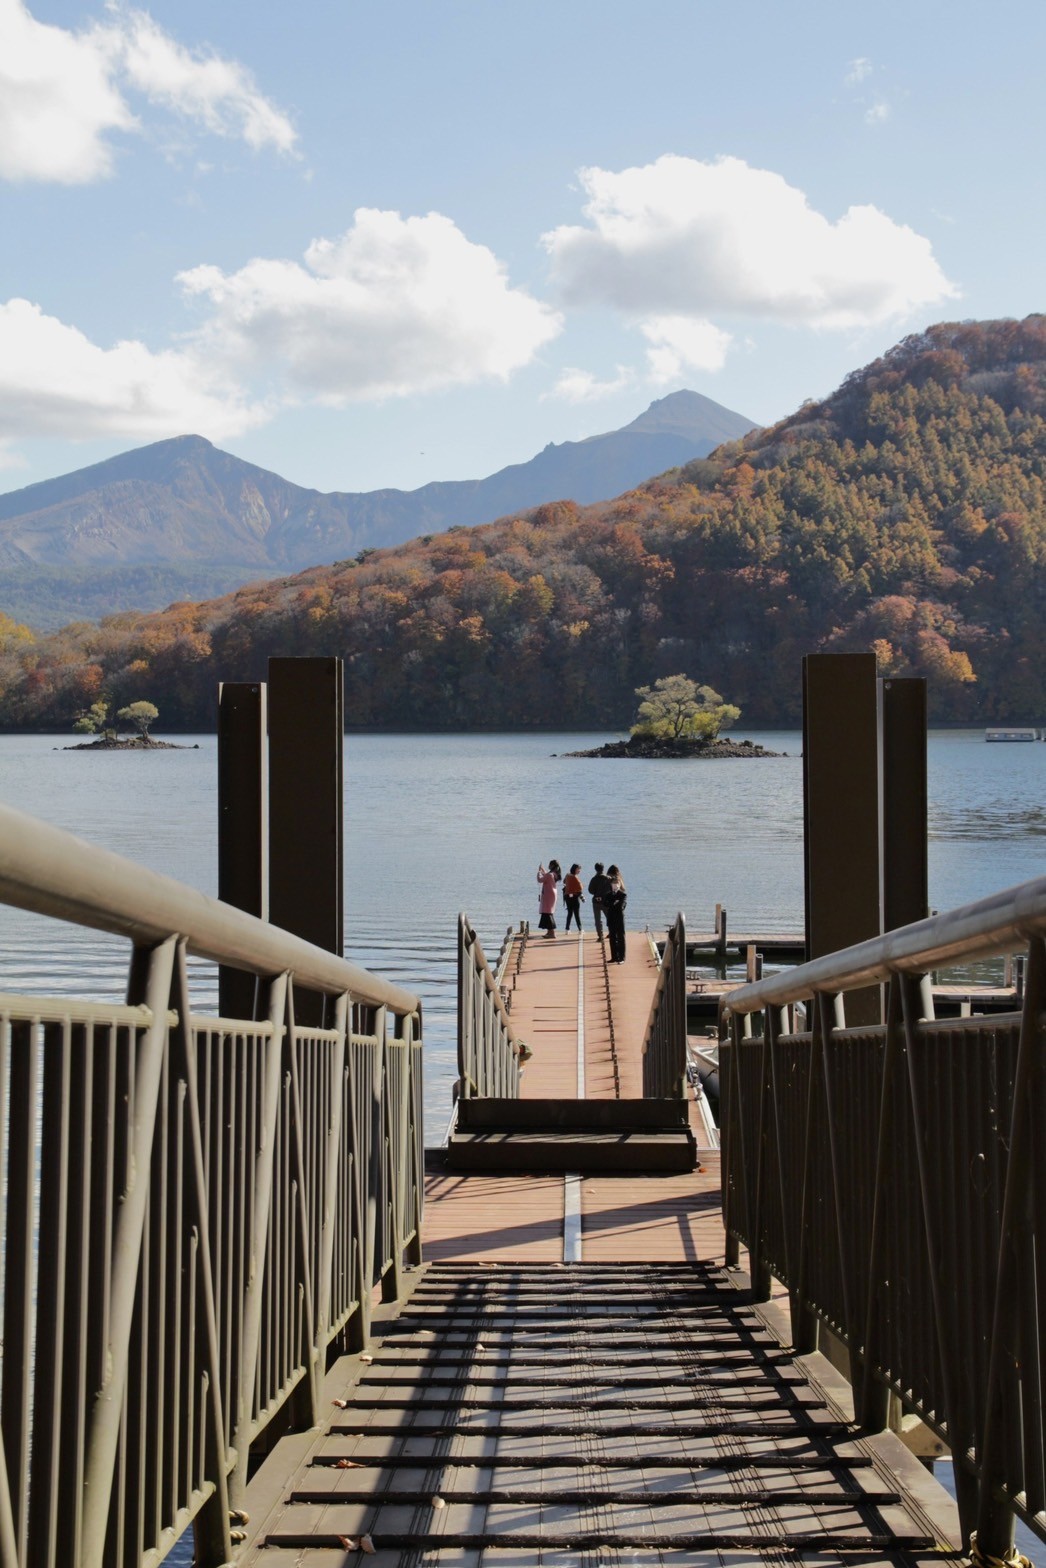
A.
pixel 183 506
pixel 684 413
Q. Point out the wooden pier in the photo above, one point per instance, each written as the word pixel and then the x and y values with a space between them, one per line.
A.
pixel 575 1377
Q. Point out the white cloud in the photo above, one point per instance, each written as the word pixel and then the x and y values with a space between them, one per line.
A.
pixel 58 101
pixel 62 93
pixel 394 306
pixel 581 386
pixel 859 69
pixel 681 343
pixel 877 112
pixel 683 238
pixel 220 94
pixel 55 382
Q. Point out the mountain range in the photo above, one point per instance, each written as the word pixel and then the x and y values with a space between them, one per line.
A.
pixel 181 519
pixel 905 513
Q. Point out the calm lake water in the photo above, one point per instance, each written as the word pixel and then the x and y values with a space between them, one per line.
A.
pixel 435 824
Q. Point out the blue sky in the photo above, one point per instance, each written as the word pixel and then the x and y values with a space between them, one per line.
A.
pixel 377 244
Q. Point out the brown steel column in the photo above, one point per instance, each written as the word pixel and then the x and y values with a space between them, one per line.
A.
pixel 306 737
pixel 841 810
pixel 242 824
pixel 903 793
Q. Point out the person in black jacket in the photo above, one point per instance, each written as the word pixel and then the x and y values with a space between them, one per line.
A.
pixel 599 885
pixel 614 911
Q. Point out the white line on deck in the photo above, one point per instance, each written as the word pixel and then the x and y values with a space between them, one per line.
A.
pixel 580 1016
pixel 572 1217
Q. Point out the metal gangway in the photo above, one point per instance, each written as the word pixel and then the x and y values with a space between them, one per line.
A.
pixel 196 1210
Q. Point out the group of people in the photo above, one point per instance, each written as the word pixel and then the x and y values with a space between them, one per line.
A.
pixel 607 892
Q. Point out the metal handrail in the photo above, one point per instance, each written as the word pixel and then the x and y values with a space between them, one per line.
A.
pixel 488 1053
pixel 195 1211
pixel 995 924
pixel 50 872
pixel 664 1045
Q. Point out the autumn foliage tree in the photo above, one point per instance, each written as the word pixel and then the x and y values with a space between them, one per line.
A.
pixel 905 514
pixel 676 708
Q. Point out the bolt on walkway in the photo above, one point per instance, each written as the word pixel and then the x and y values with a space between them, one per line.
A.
pixel 575 1377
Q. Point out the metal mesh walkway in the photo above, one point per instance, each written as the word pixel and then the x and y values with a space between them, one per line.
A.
pixel 518 1414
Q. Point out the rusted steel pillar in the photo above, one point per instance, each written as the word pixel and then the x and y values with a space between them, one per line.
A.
pixel 306 838
pixel 903 794
pixel 841 811
pixel 242 824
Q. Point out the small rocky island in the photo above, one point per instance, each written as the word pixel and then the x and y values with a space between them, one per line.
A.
pixel 661 748
pixel 678 718
pixel 128 743
pixel 99 721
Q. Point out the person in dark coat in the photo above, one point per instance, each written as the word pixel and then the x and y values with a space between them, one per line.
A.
pixel 614 912
pixel 599 885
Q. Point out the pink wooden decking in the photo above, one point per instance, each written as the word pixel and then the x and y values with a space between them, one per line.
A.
pixel 560 1007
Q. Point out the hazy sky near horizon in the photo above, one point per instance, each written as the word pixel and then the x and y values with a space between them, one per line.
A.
pixel 369 244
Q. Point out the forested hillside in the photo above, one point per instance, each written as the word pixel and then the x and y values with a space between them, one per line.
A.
pixel 905 514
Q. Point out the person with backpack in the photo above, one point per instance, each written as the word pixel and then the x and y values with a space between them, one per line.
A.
pixel 614 910
pixel 573 893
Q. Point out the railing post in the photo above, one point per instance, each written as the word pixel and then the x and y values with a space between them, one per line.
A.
pixel 872 1397
pixel 942 1291
pixel 342 1014
pixel 995 1516
pixel 412 1026
pixel 261 1205
pixel 806 1328
pixel 842 1231
pixel 104 1429
pixel 729 1111
pixel 212 1525
pixel 307 1396
pixel 762 1282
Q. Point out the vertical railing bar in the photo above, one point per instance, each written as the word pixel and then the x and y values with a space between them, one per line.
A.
pixel 772 1028
pixel 211 1527
pixel 910 989
pixel 995 1519
pixel 78 1309
pixel 19 1245
pixel 804 1326
pixel 306 1335
pixel 9 1557
pixel 127 1244
pixel 874 1401
pixel 261 1207
pixel 343 1010
pixel 761 1282
pixel 51 1241
pixel 828 1024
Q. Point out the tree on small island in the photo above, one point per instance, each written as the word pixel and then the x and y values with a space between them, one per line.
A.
pixel 140 715
pixel 95 720
pixel 677 709
pixel 99 720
